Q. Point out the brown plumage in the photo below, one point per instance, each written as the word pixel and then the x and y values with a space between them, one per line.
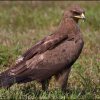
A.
pixel 54 55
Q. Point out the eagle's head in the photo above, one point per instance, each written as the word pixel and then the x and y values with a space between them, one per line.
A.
pixel 75 12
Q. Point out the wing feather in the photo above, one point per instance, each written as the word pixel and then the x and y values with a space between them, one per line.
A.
pixel 46 44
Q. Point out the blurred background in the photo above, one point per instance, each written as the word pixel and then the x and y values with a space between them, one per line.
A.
pixel 23 23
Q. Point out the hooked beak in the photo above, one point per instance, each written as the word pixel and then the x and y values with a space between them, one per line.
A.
pixel 82 16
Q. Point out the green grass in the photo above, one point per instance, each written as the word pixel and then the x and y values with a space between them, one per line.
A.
pixel 22 24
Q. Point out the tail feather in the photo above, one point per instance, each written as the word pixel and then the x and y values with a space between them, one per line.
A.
pixel 6 80
pixel 10 76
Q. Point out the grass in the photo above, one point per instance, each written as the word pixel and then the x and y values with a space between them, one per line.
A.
pixel 22 24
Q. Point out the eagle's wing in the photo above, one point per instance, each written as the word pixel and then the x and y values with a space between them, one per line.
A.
pixel 47 43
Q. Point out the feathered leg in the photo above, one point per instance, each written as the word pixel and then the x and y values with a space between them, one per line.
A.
pixel 62 79
pixel 45 84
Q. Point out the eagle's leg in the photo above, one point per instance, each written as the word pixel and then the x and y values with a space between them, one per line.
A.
pixel 62 79
pixel 45 84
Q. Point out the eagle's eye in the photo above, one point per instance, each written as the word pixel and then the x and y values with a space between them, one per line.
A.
pixel 76 12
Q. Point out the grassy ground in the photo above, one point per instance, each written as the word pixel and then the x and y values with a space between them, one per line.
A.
pixel 24 23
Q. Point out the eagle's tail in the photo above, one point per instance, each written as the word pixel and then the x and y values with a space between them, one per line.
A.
pixel 8 78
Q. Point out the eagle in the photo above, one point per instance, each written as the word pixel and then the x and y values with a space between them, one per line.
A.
pixel 52 56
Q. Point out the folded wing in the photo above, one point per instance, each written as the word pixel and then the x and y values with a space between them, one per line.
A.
pixel 47 43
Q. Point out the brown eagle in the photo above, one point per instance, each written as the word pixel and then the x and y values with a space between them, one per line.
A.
pixel 52 56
